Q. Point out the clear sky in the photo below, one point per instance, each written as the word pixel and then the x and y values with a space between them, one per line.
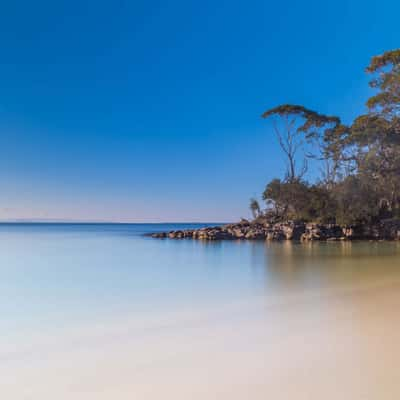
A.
pixel 150 111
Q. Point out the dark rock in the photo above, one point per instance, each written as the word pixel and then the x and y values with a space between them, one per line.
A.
pixel 255 234
pixel 159 235
pixel 263 230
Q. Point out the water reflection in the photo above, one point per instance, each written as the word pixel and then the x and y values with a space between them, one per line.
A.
pixel 324 265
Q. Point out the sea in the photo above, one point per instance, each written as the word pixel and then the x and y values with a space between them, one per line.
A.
pixel 102 311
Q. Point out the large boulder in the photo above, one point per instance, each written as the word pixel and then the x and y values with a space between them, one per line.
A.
pixel 322 232
pixel 275 235
pixel 292 231
pixel 255 234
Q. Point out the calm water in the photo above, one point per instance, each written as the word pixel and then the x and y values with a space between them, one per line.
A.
pixel 100 312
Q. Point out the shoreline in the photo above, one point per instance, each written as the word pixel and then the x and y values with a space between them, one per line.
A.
pixel 295 231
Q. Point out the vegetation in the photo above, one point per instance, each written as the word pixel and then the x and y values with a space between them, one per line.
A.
pixel 359 164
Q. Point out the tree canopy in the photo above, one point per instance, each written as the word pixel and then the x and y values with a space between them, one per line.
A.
pixel 359 163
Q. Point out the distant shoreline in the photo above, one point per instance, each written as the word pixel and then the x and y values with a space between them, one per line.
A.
pixel 55 222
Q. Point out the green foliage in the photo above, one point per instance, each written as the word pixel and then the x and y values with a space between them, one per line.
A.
pixel 298 200
pixel 310 119
pixel 356 202
pixel 386 68
pixel 360 163
pixel 323 205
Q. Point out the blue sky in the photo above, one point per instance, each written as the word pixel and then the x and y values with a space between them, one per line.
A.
pixel 150 111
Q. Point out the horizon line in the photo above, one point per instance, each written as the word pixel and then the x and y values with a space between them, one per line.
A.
pixel 67 221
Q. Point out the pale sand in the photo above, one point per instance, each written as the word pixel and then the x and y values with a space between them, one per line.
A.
pixel 341 345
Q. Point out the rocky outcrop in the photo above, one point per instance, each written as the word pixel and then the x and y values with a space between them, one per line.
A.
pixel 291 230
pixel 323 232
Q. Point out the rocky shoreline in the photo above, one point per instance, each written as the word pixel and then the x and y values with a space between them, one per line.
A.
pixel 296 231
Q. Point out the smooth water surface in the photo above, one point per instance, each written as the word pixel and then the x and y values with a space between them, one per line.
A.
pixel 98 311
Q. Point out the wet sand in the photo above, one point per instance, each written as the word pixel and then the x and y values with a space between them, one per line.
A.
pixel 342 344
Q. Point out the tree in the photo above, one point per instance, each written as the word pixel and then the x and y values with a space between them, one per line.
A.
pixel 386 102
pixel 304 126
pixel 322 205
pixel 375 136
pixel 357 202
pixel 289 199
pixel 289 140
pixel 359 163
pixel 255 208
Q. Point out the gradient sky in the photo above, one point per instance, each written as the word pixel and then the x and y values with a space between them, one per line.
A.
pixel 150 111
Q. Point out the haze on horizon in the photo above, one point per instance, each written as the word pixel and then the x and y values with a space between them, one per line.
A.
pixel 137 112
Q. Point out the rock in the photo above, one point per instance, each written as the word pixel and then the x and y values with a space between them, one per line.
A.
pixel 255 234
pixel 237 232
pixel 293 231
pixel 298 231
pixel 275 235
pixel 176 235
pixel 159 235
pixel 348 232
pixel 270 236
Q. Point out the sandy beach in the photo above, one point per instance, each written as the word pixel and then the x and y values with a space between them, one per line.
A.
pixel 342 344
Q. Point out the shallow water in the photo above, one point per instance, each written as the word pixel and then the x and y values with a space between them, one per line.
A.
pixel 101 312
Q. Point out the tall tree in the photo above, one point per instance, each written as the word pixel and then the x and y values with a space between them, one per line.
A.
pixel 301 127
pixel 376 134
pixel 360 163
pixel 386 102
